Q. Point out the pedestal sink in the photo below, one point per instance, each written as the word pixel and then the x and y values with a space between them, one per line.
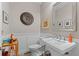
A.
pixel 59 45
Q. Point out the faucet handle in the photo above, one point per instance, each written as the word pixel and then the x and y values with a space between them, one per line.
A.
pixel 59 37
pixel 55 36
pixel 63 38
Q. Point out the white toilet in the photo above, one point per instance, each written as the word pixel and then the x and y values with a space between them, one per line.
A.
pixel 35 50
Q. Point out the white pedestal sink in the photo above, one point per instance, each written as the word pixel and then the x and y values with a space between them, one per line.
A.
pixel 59 45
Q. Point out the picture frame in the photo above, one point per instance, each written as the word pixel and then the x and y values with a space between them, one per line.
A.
pixel 68 23
pixel 5 17
pixel 45 23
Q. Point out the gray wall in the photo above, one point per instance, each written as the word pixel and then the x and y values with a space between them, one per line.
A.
pixel 46 11
pixel 26 35
pixel 0 18
pixel 29 34
pixel 16 10
pixel 5 27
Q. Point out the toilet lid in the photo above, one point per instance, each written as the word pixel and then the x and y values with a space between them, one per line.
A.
pixel 35 46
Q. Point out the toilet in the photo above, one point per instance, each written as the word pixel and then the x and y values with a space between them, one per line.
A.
pixel 36 50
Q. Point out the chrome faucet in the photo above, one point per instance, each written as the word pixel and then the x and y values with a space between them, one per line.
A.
pixel 59 37
pixel 56 36
pixel 62 38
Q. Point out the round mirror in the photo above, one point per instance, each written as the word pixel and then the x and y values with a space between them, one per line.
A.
pixel 26 18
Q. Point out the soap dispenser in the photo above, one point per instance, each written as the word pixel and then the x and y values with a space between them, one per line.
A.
pixel 70 38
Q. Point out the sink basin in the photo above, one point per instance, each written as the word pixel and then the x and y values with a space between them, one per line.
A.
pixel 59 45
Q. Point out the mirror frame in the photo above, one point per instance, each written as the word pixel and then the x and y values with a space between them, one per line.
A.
pixel 28 16
pixel 74 17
